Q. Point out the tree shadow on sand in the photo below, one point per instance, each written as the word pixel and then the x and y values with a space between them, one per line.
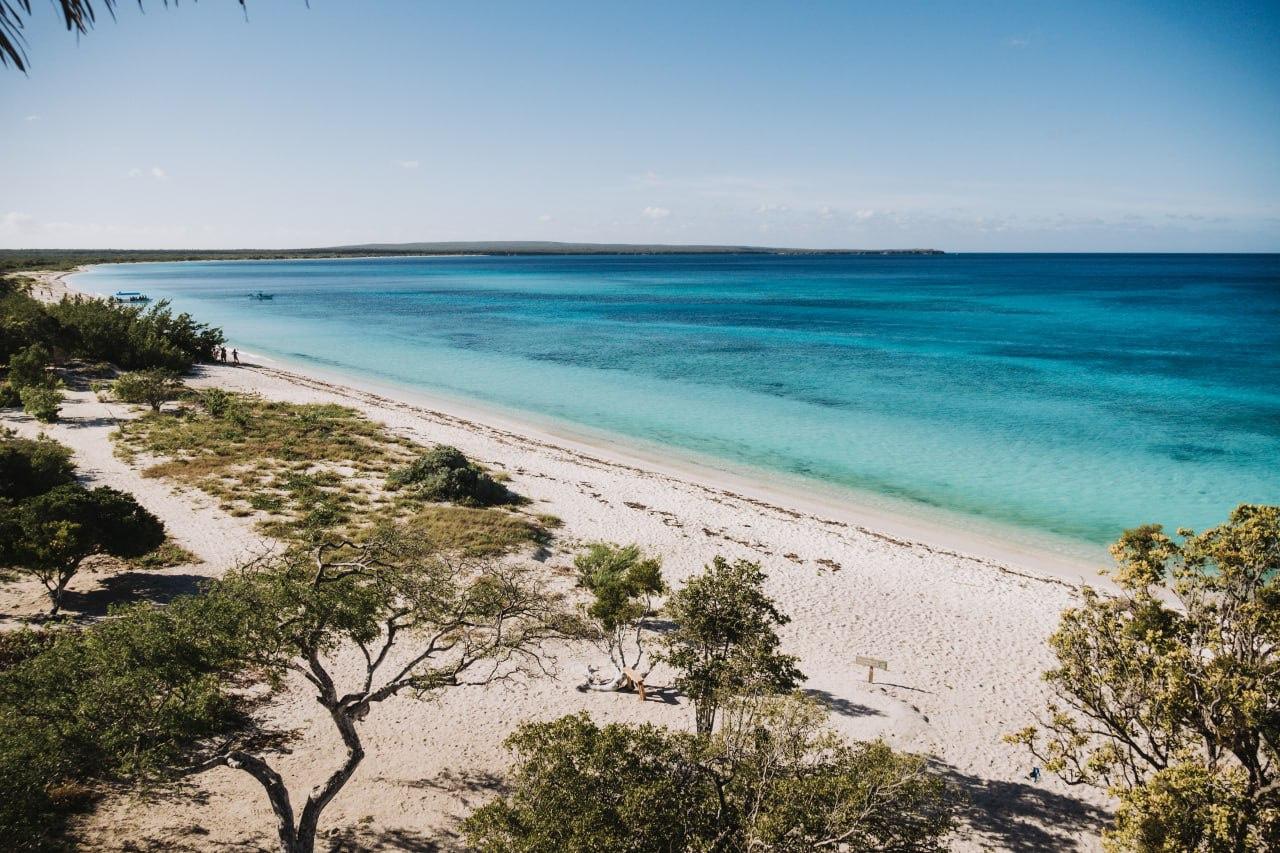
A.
pixel 159 587
pixel 840 705
pixel 1023 817
pixel 359 840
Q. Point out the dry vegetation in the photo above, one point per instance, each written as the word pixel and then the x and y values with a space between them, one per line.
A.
pixel 301 468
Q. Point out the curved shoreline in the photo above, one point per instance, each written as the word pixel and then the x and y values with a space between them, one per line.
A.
pixel 1007 552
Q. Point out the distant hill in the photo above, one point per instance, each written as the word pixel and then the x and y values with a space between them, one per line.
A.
pixel 547 247
pixel 16 260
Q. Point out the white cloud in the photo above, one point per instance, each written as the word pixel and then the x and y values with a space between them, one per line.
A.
pixel 33 117
pixel 772 208
pixel 546 217
pixel 15 221
pixel 864 215
pixel 655 213
pixel 408 164
pixel 155 172
pixel 1017 41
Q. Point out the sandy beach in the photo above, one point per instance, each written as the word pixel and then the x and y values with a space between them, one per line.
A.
pixel 961 618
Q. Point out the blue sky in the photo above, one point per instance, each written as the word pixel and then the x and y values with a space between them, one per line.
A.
pixel 1082 126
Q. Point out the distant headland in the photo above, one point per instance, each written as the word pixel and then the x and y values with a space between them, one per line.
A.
pixel 16 260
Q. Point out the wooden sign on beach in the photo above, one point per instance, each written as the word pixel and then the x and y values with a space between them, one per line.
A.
pixel 872 664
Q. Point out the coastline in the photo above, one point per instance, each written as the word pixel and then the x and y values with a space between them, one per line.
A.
pixel 994 544
pixel 964 634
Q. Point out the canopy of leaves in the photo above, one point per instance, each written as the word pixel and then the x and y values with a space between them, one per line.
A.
pixel 32 467
pixel 148 387
pixel 27 367
pixel 123 698
pixel 49 535
pixel 444 474
pixel 621 579
pixel 776 780
pixel 134 337
pixel 1175 706
pixel 41 402
pixel 725 642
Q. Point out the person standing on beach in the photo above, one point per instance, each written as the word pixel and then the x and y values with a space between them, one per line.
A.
pixel 223 354
pixel 235 355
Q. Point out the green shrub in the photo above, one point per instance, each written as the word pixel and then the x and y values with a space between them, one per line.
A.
pixel 124 697
pixel 32 467
pixel 41 402
pixel 216 401
pixel 148 387
pixel 132 336
pixel 10 397
pixel 443 474
pixel 27 368
pixel 777 781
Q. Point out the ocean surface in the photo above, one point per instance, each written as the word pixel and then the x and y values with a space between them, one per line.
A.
pixel 1061 397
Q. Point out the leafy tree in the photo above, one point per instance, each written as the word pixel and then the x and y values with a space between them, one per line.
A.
pixel 125 697
pixel 23 321
pixel 51 534
pixel 27 368
pixel 32 467
pixel 623 583
pixel 776 780
pixel 132 336
pixel 422 622
pixel 41 402
pixel 725 642
pixel 148 387
pixel 10 397
pixel 1168 693
pixel 443 473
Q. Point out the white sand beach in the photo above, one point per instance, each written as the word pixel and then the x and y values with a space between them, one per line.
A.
pixel 961 620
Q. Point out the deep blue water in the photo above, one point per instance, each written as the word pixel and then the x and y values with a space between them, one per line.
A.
pixel 1074 395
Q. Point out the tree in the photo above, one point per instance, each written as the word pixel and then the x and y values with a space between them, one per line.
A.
pixel 725 641
pixel 423 623
pixel 623 583
pixel 51 534
pixel 32 467
pixel 124 697
pixel 775 780
pixel 41 402
pixel 1168 693
pixel 27 369
pixel 148 387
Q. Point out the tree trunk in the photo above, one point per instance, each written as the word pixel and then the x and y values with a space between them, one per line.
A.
pixel 324 794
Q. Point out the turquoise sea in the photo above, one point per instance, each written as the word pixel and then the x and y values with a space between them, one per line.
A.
pixel 1067 395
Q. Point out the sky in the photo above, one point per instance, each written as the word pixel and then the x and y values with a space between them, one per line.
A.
pixel 1026 126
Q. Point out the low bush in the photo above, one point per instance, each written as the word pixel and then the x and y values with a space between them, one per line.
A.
pixel 41 402
pixel 27 368
pixel 32 467
pixel 119 699
pixel 444 474
pixel 148 387
pixel 10 398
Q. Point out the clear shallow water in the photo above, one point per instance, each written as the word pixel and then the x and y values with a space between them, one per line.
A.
pixel 1072 395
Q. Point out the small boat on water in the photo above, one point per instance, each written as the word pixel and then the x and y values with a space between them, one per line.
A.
pixel 261 295
pixel 130 296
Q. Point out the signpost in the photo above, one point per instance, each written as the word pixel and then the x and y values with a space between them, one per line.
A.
pixel 872 664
